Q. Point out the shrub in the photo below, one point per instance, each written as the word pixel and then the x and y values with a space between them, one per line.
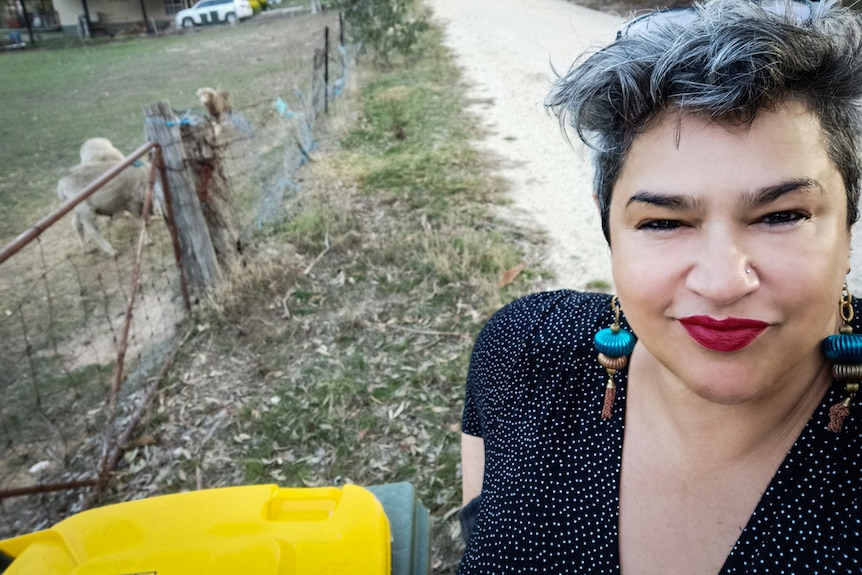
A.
pixel 383 27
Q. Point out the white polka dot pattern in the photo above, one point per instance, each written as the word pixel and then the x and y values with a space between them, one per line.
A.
pixel 550 495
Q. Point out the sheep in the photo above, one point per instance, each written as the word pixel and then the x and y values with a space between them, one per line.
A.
pixel 125 192
pixel 100 150
pixel 217 102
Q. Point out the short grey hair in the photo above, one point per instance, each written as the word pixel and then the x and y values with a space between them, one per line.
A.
pixel 727 60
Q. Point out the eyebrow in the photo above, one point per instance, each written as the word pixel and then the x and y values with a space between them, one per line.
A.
pixel 766 195
pixel 760 197
pixel 670 201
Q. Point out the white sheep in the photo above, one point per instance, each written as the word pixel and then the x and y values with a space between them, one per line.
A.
pixel 100 150
pixel 125 192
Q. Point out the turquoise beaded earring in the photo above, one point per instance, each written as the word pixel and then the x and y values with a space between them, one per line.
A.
pixel 845 349
pixel 614 345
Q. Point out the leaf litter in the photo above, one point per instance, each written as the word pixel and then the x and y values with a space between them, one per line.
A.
pixel 336 352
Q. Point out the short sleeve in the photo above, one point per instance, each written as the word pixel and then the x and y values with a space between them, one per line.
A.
pixel 470 423
pixel 486 365
pixel 499 352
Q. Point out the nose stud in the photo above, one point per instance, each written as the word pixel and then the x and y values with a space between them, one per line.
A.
pixel 748 270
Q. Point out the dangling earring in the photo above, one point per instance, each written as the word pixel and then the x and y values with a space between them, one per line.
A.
pixel 614 345
pixel 845 349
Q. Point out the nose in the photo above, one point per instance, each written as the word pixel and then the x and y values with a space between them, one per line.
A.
pixel 721 271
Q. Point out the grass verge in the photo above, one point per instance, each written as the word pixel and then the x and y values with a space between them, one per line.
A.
pixel 337 352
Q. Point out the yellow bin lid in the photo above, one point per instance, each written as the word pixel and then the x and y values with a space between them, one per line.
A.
pixel 255 529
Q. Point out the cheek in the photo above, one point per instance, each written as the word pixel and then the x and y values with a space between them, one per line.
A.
pixel 643 280
pixel 641 262
pixel 811 292
pixel 808 270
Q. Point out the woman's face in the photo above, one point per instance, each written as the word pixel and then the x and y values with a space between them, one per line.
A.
pixel 729 250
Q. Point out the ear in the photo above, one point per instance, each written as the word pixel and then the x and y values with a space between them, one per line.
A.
pixel 596 201
pixel 850 277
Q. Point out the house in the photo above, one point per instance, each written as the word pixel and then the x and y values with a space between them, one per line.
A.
pixel 115 15
pixel 105 16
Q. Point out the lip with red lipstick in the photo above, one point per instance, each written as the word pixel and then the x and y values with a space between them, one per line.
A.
pixel 726 335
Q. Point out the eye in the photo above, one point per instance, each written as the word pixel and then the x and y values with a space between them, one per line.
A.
pixel 785 218
pixel 660 225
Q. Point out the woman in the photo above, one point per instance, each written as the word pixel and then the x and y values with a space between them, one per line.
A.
pixel 726 143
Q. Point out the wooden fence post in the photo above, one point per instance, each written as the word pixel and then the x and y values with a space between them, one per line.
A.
pixel 205 162
pixel 199 258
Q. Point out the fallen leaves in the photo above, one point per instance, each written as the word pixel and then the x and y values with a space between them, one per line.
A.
pixel 396 411
pixel 511 274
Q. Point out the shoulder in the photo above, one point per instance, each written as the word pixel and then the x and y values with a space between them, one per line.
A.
pixel 857 315
pixel 539 333
pixel 538 316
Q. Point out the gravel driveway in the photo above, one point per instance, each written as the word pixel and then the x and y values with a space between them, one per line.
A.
pixel 507 49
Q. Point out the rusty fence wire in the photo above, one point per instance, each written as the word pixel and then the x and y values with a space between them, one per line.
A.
pixel 85 337
pixel 82 338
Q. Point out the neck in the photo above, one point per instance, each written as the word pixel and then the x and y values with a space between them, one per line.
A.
pixel 697 429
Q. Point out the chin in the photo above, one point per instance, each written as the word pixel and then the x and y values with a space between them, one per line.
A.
pixel 730 395
pixel 730 383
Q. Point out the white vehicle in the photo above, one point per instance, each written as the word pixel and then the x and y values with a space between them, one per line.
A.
pixel 214 12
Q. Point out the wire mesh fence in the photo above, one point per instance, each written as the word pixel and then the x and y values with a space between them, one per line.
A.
pixel 264 143
pixel 81 334
pixel 85 337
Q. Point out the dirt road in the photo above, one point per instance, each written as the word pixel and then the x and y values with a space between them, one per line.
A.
pixel 507 48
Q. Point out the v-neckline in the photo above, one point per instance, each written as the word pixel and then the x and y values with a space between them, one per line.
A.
pixel 791 462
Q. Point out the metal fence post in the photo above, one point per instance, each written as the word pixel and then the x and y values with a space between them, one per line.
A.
pixel 326 70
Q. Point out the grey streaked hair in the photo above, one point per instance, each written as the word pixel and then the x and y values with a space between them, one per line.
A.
pixel 728 60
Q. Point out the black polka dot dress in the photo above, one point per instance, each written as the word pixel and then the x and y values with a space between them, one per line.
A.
pixel 550 498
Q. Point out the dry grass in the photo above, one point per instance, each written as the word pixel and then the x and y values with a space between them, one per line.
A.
pixel 61 310
pixel 338 350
